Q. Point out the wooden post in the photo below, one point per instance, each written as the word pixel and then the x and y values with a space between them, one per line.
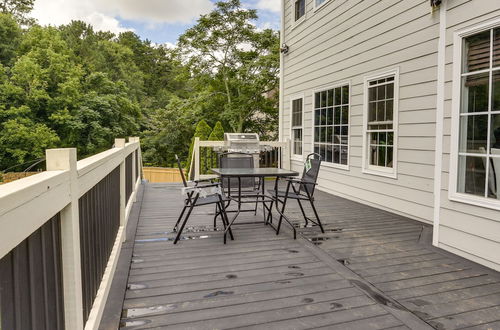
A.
pixel 287 155
pixel 120 143
pixel 57 160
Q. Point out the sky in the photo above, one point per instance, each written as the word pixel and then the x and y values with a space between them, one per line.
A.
pixel 160 21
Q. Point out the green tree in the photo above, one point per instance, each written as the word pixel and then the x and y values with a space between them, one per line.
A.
pixel 216 135
pixel 10 37
pixel 202 131
pixel 238 64
pixel 19 9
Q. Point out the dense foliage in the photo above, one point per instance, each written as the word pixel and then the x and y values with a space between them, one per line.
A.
pixel 71 86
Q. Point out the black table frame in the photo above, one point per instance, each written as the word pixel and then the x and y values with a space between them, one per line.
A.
pixel 262 174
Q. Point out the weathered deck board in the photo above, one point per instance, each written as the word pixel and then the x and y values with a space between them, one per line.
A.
pixel 264 281
pixel 259 280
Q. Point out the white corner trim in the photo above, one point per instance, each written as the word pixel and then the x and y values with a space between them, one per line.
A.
pixel 378 170
pixel 282 74
pixel 438 159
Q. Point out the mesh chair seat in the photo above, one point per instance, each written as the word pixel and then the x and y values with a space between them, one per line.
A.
pixel 211 199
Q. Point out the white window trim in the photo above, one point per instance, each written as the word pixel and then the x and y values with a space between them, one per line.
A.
pixel 296 23
pixel 293 98
pixel 320 6
pixel 322 89
pixel 366 167
pixel 453 194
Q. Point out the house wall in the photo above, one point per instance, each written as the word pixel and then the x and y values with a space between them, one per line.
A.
pixel 347 41
pixel 467 230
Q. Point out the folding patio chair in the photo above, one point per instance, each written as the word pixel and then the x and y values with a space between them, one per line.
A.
pixel 250 187
pixel 201 195
pixel 301 190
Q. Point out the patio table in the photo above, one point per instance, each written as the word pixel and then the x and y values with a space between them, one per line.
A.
pixel 261 173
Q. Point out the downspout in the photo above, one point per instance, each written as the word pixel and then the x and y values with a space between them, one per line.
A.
pixel 282 74
pixel 438 161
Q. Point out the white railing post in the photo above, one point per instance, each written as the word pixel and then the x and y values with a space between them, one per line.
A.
pixel 57 160
pixel 120 143
pixel 196 159
pixel 134 168
pixel 287 155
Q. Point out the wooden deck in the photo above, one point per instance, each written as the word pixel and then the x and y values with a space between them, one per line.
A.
pixel 370 270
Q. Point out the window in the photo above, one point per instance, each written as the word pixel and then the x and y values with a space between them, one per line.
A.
pixel 319 3
pixel 479 118
pixel 300 9
pixel 381 124
pixel 297 110
pixel 331 124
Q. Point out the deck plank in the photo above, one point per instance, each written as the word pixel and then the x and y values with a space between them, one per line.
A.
pixel 261 280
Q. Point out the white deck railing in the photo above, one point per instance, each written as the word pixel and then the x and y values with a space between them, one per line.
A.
pixel 283 148
pixel 27 204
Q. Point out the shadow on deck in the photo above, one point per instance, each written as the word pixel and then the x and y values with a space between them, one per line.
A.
pixel 370 270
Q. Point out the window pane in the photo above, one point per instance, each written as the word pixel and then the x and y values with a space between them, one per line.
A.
pixel 330 98
pixel 390 138
pixel 495 97
pixel 381 92
pixel 324 99
pixel 317 116
pixel 381 111
pixel 317 102
pixel 337 115
pixel 316 148
pixel 474 133
pixel 345 115
pixel 496 47
pixel 389 113
pixel 316 134
pixel 372 94
pixel 343 155
pixel 390 156
pixel 323 116
pixel 329 116
pixel 329 153
pixel 319 2
pixel 471 175
pixel 345 95
pixel 495 134
pixel 477 52
pixel 336 154
pixel 323 134
pixel 381 155
pixel 390 91
pixel 329 135
pixel 338 96
pixel 323 151
pixel 372 111
pixel 475 93
pixel 300 9
pixel 297 139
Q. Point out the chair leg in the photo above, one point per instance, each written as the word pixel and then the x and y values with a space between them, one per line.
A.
pixel 316 215
pixel 281 215
pixel 183 224
pixel 226 221
pixel 303 212
pixel 180 217
pixel 269 218
pixel 217 213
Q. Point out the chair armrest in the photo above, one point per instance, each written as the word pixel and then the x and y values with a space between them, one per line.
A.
pixel 215 184
pixel 197 182
pixel 300 181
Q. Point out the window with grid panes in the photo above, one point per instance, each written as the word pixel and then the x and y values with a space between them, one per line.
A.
pixel 380 129
pixel 479 130
pixel 331 124
pixel 297 108
pixel 300 9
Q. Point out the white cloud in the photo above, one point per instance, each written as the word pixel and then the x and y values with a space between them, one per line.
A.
pixel 104 14
pixel 271 5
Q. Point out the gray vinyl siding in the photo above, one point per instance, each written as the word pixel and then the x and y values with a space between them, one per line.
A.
pixel 470 231
pixel 347 41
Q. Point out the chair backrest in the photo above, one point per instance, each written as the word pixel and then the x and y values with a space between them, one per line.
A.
pixel 237 160
pixel 310 174
pixel 180 170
